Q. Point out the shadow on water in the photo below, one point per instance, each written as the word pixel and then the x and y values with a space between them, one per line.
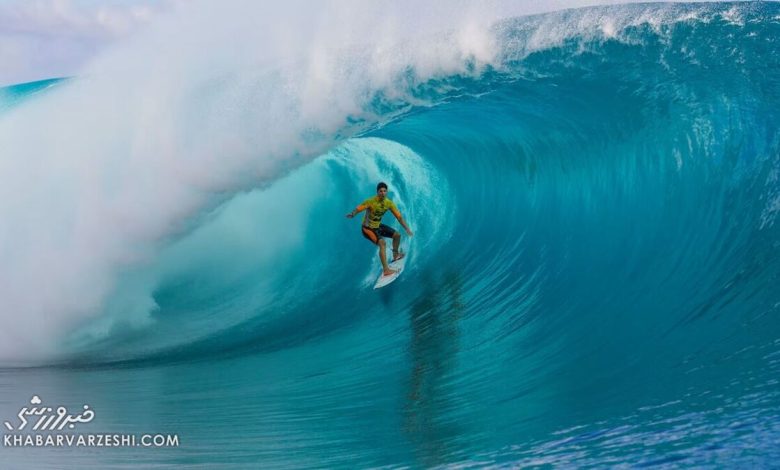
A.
pixel 433 349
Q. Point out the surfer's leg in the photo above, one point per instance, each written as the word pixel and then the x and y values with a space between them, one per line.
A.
pixel 396 244
pixel 370 235
pixel 383 258
pixel 374 238
pixel 389 232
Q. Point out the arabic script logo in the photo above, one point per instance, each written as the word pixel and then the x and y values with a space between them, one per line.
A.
pixel 49 419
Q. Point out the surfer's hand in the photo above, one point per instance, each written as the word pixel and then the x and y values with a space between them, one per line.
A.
pixel 350 215
pixel 409 232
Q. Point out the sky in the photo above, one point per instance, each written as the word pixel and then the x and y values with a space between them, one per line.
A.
pixel 42 39
pixel 52 38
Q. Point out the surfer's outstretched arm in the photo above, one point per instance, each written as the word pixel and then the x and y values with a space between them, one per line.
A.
pixel 397 215
pixel 357 210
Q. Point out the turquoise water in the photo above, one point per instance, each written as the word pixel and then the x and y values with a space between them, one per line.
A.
pixel 592 281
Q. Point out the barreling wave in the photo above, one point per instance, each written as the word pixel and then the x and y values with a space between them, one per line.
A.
pixel 597 188
pixel 594 195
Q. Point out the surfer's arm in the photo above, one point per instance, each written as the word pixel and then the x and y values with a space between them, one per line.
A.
pixel 397 215
pixel 357 210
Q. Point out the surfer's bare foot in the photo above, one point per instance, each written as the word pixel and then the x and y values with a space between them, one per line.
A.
pixel 397 256
pixel 388 272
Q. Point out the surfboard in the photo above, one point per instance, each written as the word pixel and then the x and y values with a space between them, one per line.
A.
pixel 398 266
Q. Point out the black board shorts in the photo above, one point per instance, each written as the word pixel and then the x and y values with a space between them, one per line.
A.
pixel 373 234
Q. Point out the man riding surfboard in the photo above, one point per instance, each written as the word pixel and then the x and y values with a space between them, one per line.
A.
pixel 373 228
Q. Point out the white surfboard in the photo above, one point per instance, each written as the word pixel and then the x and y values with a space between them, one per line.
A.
pixel 398 266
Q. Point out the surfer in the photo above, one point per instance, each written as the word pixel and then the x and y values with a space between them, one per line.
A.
pixel 374 229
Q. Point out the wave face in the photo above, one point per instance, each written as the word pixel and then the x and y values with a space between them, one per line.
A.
pixel 593 276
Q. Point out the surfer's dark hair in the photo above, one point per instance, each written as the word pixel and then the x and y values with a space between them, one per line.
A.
pixel 381 185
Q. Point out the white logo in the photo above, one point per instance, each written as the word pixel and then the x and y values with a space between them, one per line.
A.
pixel 47 418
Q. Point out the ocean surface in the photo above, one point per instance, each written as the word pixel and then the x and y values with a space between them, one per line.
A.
pixel 592 281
